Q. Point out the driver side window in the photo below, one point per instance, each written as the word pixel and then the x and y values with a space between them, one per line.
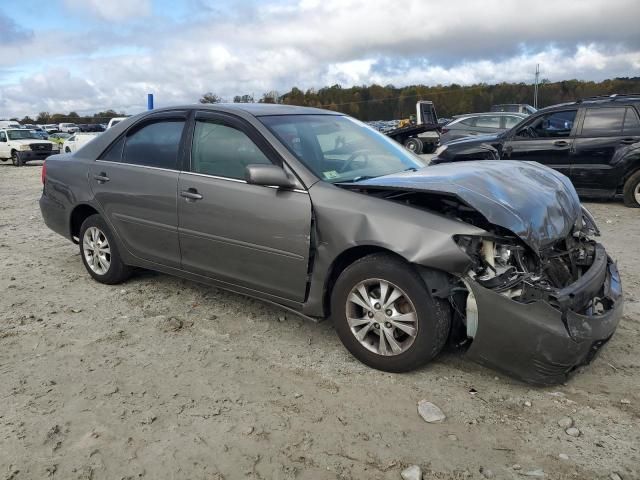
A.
pixel 550 125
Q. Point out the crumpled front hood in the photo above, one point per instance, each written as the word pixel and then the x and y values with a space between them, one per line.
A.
pixel 534 202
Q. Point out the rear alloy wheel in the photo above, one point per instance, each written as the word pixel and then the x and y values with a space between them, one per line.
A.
pixel 385 315
pixel 100 253
pixel 631 191
pixel 414 144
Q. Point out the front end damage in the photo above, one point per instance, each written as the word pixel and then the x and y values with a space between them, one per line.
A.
pixel 540 296
pixel 537 318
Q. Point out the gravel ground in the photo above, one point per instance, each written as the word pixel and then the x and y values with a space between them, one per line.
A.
pixel 164 378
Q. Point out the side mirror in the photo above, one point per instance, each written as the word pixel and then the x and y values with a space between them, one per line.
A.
pixel 268 175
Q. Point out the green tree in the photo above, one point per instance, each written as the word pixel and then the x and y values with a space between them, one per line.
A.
pixel 210 97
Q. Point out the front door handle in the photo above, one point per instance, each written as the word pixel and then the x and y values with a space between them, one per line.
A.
pixel 628 141
pixel 561 143
pixel 101 177
pixel 191 195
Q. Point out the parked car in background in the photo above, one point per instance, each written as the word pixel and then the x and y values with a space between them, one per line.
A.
pixel 77 141
pixel 91 127
pixel 51 128
pixel 115 121
pixel 320 214
pixel 22 146
pixel 479 124
pixel 40 134
pixel 9 124
pixel 58 138
pixel 514 108
pixel 595 142
pixel 68 127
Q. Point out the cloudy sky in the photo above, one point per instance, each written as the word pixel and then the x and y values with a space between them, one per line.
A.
pixel 91 55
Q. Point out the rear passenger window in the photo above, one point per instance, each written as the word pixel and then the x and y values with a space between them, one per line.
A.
pixel 154 145
pixel 631 123
pixel 469 122
pixel 603 121
pixel 223 151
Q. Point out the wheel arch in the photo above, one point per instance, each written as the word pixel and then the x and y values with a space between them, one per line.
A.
pixel 344 260
pixel 78 215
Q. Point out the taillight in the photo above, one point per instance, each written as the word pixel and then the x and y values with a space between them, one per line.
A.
pixel 43 174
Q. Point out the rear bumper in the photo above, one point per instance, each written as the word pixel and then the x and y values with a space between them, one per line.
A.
pixel 538 343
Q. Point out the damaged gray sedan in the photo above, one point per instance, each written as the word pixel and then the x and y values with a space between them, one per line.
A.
pixel 319 214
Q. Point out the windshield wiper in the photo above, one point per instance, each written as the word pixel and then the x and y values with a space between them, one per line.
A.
pixel 359 179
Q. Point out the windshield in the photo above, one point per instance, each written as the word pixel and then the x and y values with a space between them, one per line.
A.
pixel 20 134
pixel 340 149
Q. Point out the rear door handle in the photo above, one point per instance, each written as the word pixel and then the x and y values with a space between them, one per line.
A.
pixel 628 141
pixel 561 143
pixel 101 177
pixel 191 195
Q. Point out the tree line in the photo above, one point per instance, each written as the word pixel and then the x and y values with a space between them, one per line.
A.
pixel 377 102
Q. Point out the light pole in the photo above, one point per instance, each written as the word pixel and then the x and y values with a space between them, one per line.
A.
pixel 535 88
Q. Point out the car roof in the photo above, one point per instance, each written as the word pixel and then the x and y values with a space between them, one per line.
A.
pixel 600 101
pixel 490 114
pixel 253 109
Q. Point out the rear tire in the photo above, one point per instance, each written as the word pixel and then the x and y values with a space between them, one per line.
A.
pixel 414 145
pixel 428 317
pixel 631 191
pixel 99 252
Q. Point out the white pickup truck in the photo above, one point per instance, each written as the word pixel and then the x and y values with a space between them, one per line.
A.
pixel 22 146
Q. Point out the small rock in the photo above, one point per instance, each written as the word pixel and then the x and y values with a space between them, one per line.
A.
pixel 572 431
pixel 563 456
pixel 615 476
pixel 625 401
pixel 248 430
pixel 281 319
pixel 171 324
pixel 539 473
pixel 486 473
pixel 516 466
pixel 565 422
pixel 429 412
pixel 297 395
pixel 527 403
pixel 453 438
pixel 76 310
pixel 414 472
pixel 148 418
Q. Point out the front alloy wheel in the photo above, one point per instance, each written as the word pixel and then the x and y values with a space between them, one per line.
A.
pixel 381 317
pixel 385 315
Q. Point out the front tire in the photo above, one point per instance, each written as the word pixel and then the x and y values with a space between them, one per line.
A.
pixel 99 252
pixel 631 191
pixel 16 160
pixel 385 315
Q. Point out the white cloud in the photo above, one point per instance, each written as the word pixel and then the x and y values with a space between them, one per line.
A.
pixel 111 10
pixel 317 43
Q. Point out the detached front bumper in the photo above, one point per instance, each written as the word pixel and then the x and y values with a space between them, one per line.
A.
pixel 540 343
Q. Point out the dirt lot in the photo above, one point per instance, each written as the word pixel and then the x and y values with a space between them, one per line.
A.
pixel 164 378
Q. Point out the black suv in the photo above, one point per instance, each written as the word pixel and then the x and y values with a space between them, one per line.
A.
pixel 594 141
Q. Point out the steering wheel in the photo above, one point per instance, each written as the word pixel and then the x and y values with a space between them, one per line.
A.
pixel 531 132
pixel 352 158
